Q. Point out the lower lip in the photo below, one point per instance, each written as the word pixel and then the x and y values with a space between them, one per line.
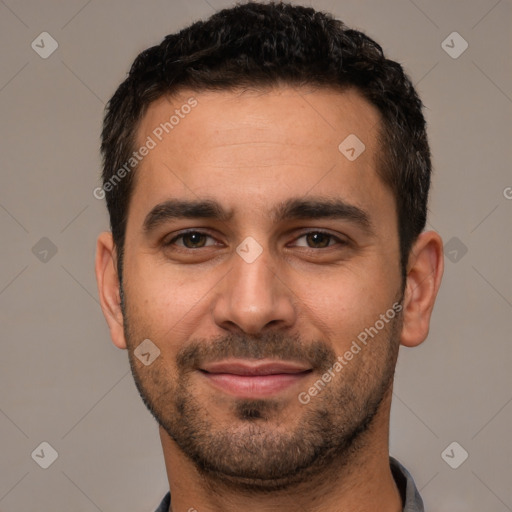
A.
pixel 254 386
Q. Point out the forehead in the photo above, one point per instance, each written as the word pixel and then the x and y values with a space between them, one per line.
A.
pixel 263 145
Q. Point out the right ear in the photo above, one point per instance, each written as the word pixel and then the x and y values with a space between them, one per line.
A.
pixel 109 288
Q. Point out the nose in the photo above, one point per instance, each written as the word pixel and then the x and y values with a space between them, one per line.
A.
pixel 254 297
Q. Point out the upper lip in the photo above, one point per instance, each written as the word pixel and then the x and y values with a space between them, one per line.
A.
pixel 245 367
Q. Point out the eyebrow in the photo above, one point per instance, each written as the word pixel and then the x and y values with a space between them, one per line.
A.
pixel 184 209
pixel 322 208
pixel 291 209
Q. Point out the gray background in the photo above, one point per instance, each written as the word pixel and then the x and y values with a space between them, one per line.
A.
pixel 61 379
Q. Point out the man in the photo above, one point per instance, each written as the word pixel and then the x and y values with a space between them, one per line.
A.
pixel 266 174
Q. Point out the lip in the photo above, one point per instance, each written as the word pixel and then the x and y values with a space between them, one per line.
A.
pixel 258 367
pixel 254 380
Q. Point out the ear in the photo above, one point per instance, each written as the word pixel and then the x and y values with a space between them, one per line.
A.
pixel 108 287
pixel 424 273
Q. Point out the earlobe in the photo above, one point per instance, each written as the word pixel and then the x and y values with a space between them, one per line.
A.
pixel 424 273
pixel 108 288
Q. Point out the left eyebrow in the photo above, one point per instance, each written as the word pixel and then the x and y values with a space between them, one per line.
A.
pixel 322 208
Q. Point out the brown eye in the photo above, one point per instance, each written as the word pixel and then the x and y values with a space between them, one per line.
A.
pixel 191 240
pixel 318 240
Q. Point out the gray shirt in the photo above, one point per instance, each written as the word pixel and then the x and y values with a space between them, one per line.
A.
pixel 410 496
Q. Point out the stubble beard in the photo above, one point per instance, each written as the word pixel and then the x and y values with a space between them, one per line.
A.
pixel 258 447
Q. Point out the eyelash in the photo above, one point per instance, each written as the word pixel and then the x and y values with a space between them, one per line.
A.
pixel 316 231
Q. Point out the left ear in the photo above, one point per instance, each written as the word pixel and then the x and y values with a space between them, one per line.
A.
pixel 424 273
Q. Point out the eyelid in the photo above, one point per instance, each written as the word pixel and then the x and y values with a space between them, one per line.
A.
pixel 343 240
pixel 180 234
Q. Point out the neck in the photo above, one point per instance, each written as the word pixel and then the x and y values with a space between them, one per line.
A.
pixel 357 481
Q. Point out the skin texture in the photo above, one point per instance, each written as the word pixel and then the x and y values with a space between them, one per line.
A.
pixel 305 299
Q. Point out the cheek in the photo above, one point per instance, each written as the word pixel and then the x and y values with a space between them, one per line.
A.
pixel 164 301
pixel 344 303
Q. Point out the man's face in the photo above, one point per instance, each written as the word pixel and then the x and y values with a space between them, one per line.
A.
pixel 279 276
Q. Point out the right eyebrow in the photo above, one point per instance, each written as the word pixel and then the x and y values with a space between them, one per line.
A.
pixel 184 209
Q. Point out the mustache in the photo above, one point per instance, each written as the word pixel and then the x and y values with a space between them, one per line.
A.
pixel 273 345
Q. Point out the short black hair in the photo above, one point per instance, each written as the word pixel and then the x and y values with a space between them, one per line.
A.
pixel 262 45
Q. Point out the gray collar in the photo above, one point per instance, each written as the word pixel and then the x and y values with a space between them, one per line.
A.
pixel 410 496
